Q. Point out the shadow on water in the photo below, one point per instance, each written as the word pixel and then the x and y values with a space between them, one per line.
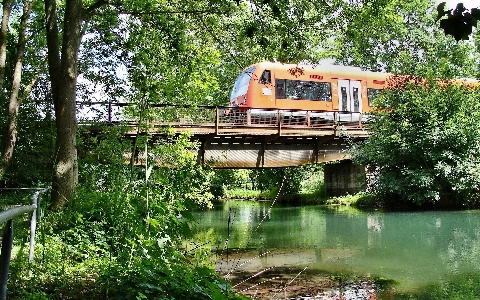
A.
pixel 418 250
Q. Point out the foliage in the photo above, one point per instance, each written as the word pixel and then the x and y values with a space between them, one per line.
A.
pixel 424 143
pixel 398 37
pixel 357 200
pixel 244 194
pixel 124 235
pixel 272 180
pixel 296 183
pixel 224 180
pixel 33 156
pixel 313 179
pixel 302 183
pixel 287 181
pixel 459 22
pixel 19 47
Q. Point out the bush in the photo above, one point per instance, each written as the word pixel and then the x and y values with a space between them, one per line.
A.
pixel 423 147
pixel 124 236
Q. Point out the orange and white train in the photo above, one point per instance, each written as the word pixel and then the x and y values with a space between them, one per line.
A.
pixel 269 85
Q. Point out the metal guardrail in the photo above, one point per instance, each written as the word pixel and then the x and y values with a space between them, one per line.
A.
pixel 7 241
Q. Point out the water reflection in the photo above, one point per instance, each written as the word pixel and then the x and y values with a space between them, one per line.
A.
pixel 413 248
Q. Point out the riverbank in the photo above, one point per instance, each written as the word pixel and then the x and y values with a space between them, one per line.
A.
pixel 245 271
pixel 281 285
pixel 361 199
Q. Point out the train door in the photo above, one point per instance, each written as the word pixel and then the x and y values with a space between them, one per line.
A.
pixel 349 95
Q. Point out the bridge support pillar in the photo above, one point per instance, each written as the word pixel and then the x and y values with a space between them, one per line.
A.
pixel 343 178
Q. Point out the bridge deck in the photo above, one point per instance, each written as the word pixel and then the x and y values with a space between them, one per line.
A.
pixel 272 138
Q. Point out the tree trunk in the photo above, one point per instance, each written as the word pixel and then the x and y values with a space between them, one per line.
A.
pixel 15 100
pixel 63 73
pixel 6 4
pixel 7 7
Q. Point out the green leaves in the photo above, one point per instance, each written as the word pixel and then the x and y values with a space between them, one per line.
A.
pixel 459 22
pixel 424 146
pixel 399 37
pixel 139 249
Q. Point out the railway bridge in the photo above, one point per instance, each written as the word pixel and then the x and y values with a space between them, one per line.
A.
pixel 266 138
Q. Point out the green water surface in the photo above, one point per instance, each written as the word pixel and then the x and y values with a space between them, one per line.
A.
pixel 415 249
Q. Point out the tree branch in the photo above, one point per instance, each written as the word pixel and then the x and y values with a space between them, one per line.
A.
pixel 217 39
pixel 159 12
pixel 29 86
pixel 52 44
pixel 90 11
pixel 7 5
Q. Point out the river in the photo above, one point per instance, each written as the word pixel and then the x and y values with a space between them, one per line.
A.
pixel 413 249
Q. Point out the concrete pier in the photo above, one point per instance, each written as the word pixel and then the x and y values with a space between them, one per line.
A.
pixel 344 178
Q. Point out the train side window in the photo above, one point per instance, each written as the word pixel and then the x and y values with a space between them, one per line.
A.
pixel 344 96
pixel 372 93
pixel 356 100
pixel 324 91
pixel 308 90
pixel 266 77
pixel 280 88
pixel 294 89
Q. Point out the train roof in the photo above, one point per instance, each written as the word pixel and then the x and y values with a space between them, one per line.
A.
pixel 316 67
pixel 336 71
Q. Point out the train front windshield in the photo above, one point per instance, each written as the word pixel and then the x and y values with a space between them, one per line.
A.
pixel 241 85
